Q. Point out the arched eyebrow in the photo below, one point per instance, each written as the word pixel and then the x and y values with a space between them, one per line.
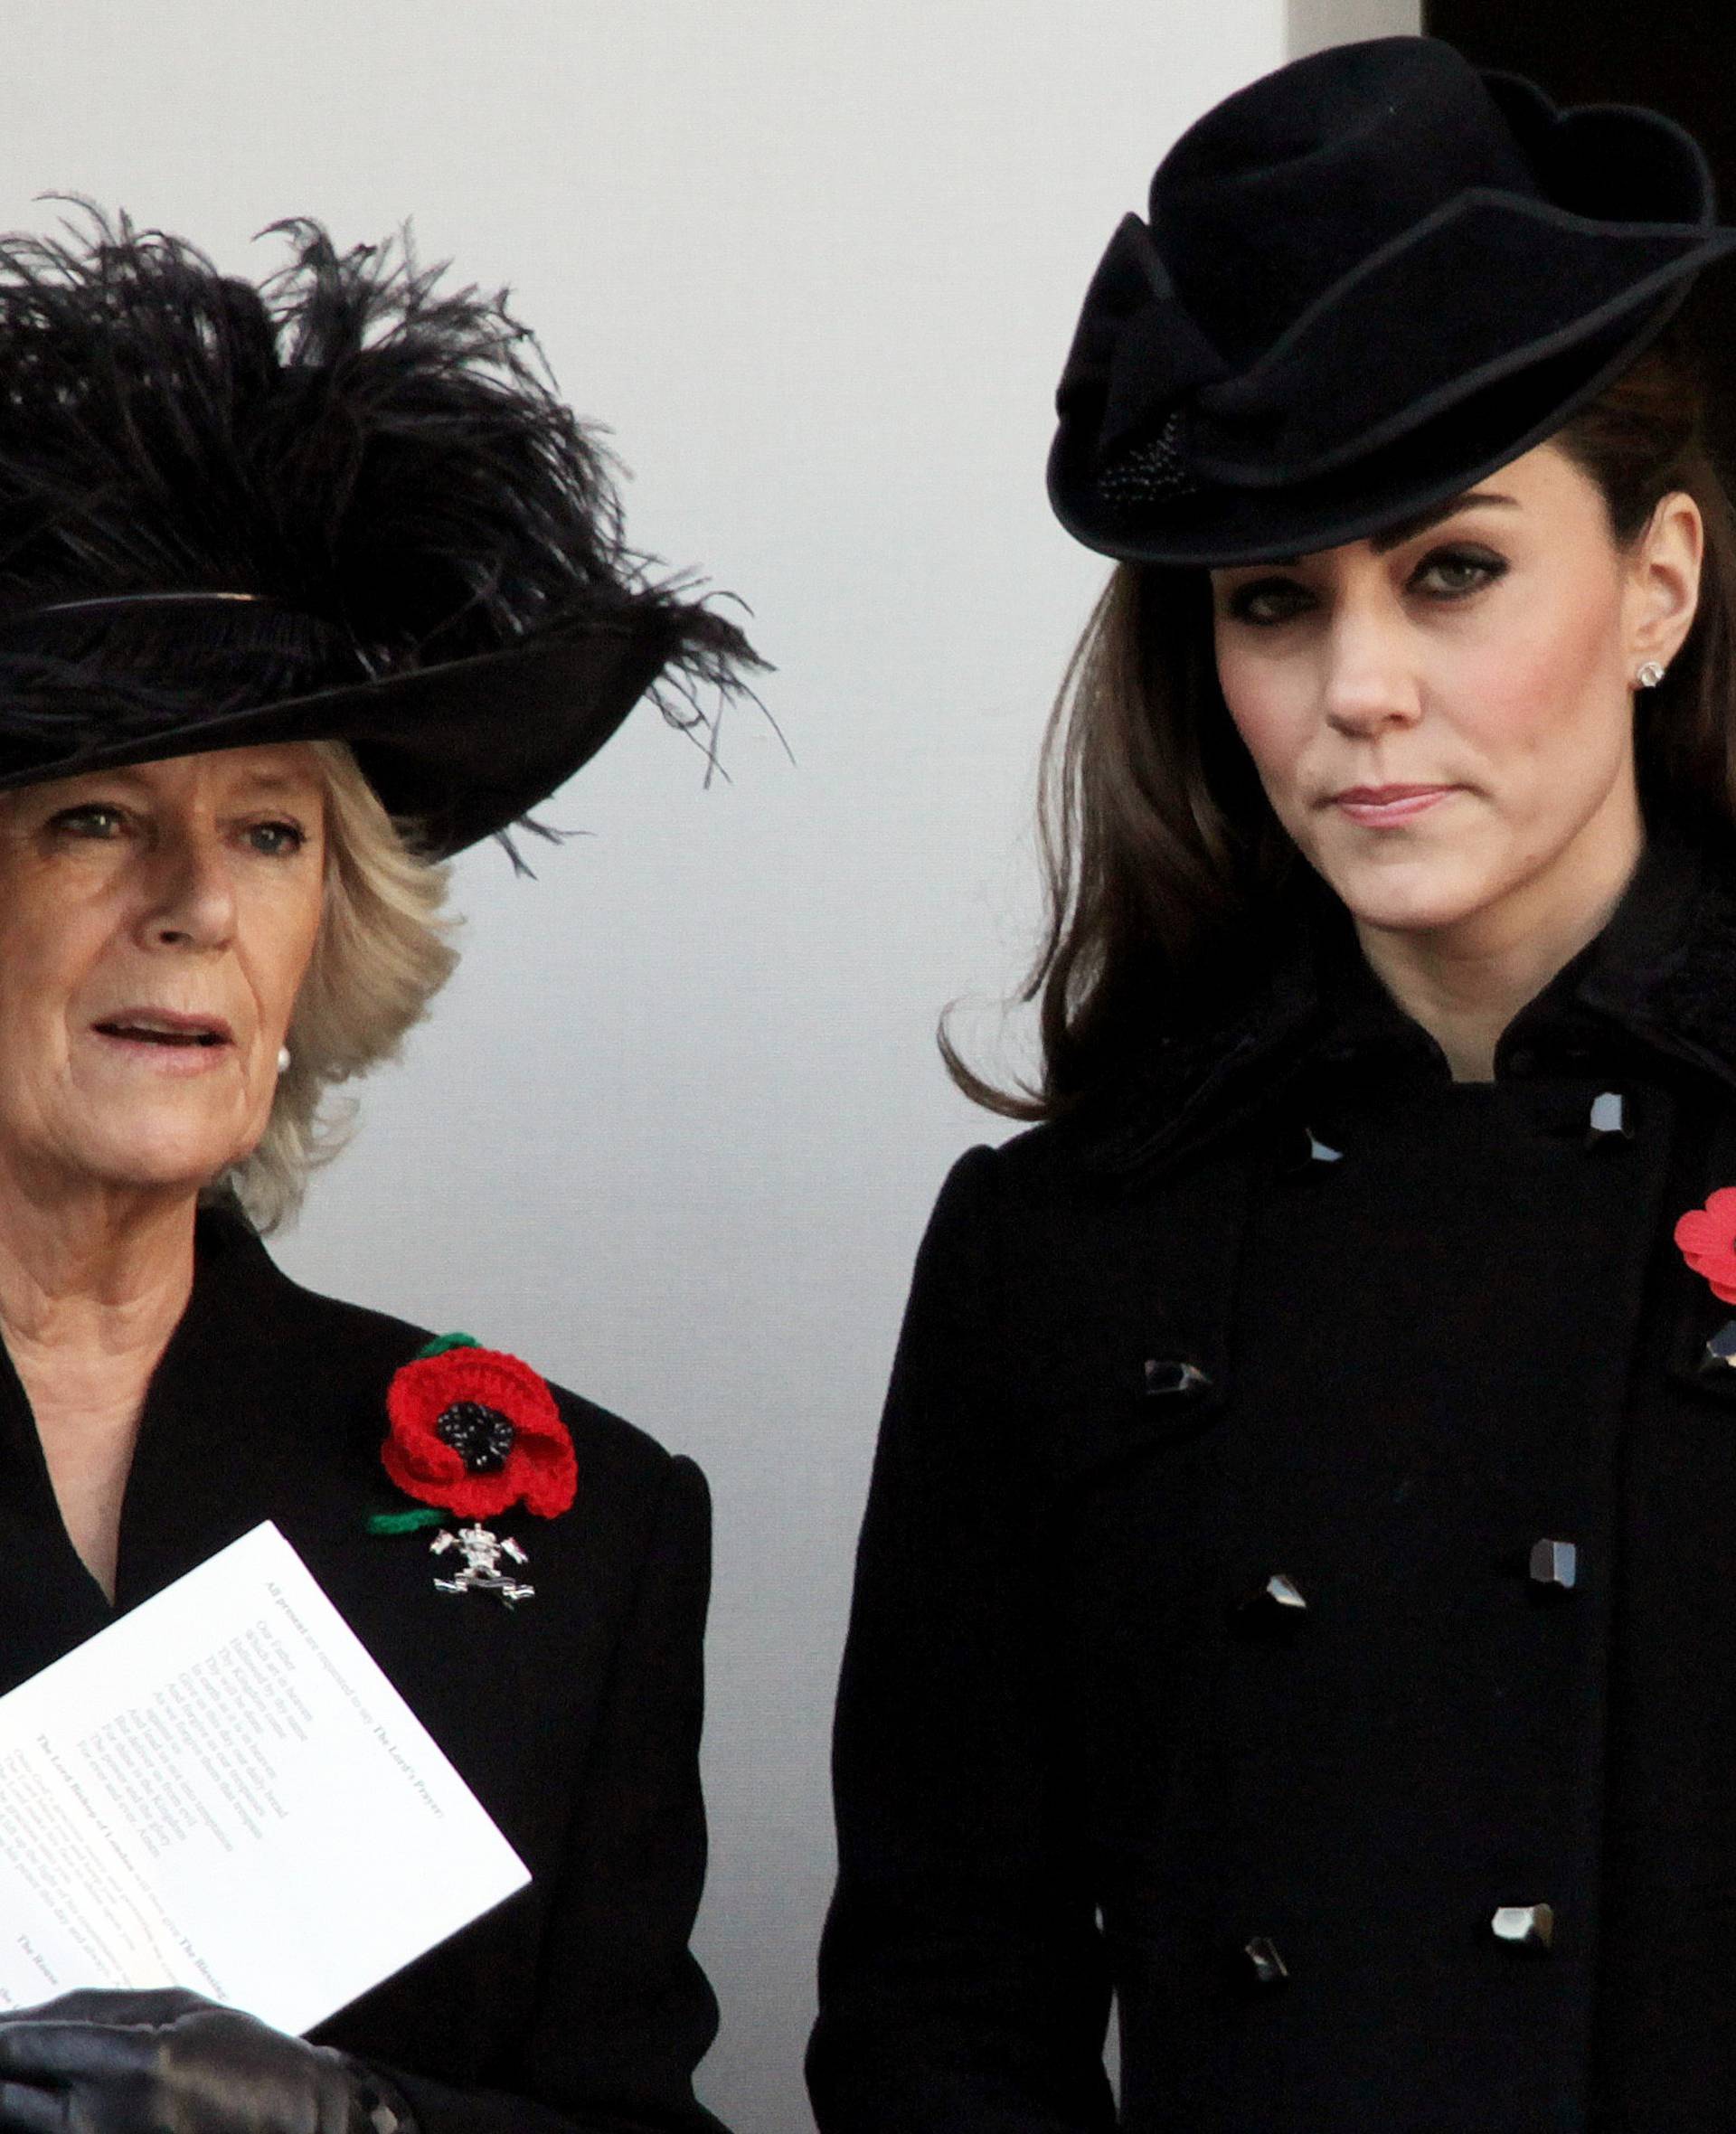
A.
pixel 1408 529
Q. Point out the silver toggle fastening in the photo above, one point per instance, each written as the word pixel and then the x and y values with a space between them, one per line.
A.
pixel 1554 1566
pixel 1608 1120
pixel 1525 1926
pixel 483 1571
pixel 1167 1377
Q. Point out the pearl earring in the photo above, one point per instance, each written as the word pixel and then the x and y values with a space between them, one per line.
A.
pixel 1649 676
pixel 283 1059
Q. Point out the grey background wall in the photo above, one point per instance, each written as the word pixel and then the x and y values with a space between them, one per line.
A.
pixel 1313 24
pixel 674 1130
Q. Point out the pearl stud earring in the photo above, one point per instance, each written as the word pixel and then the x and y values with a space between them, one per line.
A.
pixel 283 1059
pixel 1649 676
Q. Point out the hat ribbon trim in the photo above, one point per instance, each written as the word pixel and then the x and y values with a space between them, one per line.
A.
pixel 1450 211
pixel 1244 398
pixel 1369 436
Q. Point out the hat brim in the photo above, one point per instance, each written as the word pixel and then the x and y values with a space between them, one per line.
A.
pixel 1218 525
pixel 459 751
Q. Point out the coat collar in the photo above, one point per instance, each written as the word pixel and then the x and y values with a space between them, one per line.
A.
pixel 1665 968
pixel 1663 972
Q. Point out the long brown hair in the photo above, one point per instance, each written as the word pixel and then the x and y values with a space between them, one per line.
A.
pixel 1157 845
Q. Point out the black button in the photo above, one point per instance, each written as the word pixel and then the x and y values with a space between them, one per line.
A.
pixel 1173 1378
pixel 1272 1609
pixel 1266 1967
pixel 1525 1926
pixel 1554 1566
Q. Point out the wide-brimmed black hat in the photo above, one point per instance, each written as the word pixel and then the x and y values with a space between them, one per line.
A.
pixel 341 505
pixel 1367 281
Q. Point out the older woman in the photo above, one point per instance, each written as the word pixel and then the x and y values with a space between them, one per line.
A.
pixel 303 588
pixel 1295 1598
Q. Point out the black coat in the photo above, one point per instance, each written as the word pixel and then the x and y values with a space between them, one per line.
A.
pixel 575 1717
pixel 1298 1308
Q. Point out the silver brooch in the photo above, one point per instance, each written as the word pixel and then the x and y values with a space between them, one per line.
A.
pixel 482 1571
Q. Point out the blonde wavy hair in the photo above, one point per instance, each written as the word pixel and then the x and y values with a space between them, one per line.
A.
pixel 384 951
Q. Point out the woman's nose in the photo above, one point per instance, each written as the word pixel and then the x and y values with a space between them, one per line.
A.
pixel 191 900
pixel 1368 682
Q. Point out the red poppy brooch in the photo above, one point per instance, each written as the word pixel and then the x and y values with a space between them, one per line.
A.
pixel 474 1432
pixel 1707 1239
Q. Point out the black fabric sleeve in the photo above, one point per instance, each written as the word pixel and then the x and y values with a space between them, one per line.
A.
pixel 962 1980
pixel 624 2012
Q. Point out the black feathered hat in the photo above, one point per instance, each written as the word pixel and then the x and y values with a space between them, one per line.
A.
pixel 341 505
pixel 1367 281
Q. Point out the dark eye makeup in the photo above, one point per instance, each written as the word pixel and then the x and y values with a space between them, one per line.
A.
pixel 1451 572
pixel 1462 568
pixel 1264 601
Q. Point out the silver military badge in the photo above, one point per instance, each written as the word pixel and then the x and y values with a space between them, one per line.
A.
pixel 482 1570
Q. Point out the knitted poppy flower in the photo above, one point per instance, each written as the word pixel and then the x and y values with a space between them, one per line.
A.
pixel 475 1431
pixel 1707 1239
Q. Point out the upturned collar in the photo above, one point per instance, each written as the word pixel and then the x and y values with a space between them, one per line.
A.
pixel 1662 973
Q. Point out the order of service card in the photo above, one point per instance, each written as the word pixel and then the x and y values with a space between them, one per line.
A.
pixel 222 1791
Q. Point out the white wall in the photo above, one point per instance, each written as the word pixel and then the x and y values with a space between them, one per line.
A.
pixel 675 1130
pixel 1315 24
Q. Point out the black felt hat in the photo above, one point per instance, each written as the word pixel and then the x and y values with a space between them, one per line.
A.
pixel 1367 281
pixel 344 504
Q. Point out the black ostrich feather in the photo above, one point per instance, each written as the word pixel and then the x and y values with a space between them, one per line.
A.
pixel 378 457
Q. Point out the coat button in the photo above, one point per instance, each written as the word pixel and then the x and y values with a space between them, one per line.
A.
pixel 1271 1610
pixel 1169 1377
pixel 1265 1967
pixel 1523 1926
pixel 1554 1567
pixel 1721 1351
pixel 1608 1120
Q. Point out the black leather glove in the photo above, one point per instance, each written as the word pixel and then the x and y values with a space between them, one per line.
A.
pixel 170 2063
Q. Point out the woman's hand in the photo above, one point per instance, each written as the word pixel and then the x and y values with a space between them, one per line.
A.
pixel 169 2062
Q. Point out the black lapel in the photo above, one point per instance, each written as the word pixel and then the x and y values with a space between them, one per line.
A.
pixel 251 1407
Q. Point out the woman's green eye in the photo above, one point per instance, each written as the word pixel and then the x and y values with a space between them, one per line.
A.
pixel 1266 600
pixel 1456 571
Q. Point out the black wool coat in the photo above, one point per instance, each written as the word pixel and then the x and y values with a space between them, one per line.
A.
pixel 574 1717
pixel 1298 1594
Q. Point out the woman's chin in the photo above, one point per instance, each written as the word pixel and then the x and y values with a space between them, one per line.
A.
pixel 1420 896
pixel 157 1173
pixel 155 1155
